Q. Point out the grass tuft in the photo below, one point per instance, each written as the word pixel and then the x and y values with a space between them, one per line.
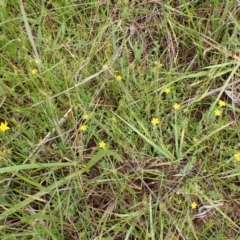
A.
pixel 119 120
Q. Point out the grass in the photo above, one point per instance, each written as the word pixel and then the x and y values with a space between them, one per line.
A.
pixel 74 75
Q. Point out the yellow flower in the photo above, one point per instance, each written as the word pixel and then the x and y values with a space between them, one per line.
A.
pixel 194 205
pixel 4 127
pixel 82 235
pixel 237 156
pixel 83 128
pixel 158 63
pixel 102 144
pixel 155 69
pixel 222 103
pixel 217 112
pixel 119 77
pixel 37 61
pixel 34 71
pixel 114 119
pixel 176 106
pixel 105 66
pixel 167 90
pixel 155 121
pixel 85 116
pixel 31 223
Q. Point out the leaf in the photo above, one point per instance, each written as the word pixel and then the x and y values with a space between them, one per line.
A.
pixel 35 165
pixel 102 153
pixel 4 202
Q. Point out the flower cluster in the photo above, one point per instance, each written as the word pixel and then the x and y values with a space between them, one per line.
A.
pixel 83 127
pixel 217 111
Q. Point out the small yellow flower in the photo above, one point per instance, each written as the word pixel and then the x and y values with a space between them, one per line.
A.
pixel 114 119
pixel 85 116
pixel 222 103
pixel 195 139
pixel 34 71
pixel 167 90
pixel 83 128
pixel 155 69
pixel 162 206
pixel 82 235
pixel 31 223
pixel 102 144
pixel 105 66
pixel 237 156
pixel 119 77
pixel 217 112
pixel 158 64
pixel 4 127
pixel 176 106
pixel 37 61
pixel 155 121
pixel 194 205
pixel 149 235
